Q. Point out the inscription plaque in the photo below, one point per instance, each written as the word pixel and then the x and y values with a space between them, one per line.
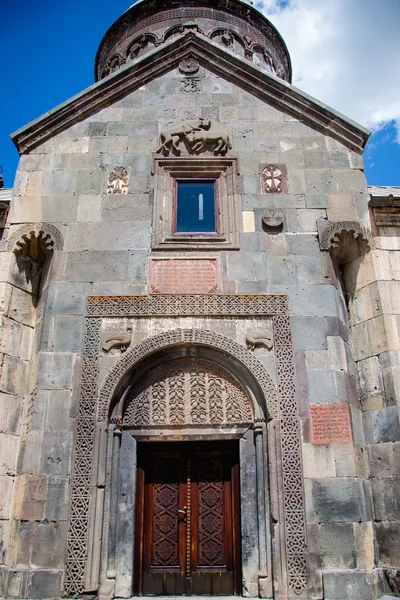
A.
pixel 388 216
pixel 330 424
pixel 184 276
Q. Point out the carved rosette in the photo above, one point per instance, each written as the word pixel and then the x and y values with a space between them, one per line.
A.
pixel 189 66
pixel 273 218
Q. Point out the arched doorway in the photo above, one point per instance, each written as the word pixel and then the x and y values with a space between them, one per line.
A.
pixel 187 493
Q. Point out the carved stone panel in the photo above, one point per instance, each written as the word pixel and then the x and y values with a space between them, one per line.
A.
pixel 330 424
pixel 273 179
pixel 118 181
pixel 194 137
pixel 187 392
pixel 184 276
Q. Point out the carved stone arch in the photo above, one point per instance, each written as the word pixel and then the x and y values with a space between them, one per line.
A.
pixel 33 246
pixel 223 31
pixel 344 240
pixel 242 361
pixel 46 233
pixel 114 63
pixel 140 43
pixel 181 28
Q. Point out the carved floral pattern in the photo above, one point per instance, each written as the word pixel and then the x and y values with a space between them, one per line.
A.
pixel 209 391
pixel 118 181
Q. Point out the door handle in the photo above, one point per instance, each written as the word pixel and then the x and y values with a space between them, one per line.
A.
pixel 184 514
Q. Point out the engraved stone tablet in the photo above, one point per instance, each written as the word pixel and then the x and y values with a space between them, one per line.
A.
pixel 184 276
pixel 330 424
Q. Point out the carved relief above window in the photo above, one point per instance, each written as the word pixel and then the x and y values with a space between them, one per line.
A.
pixel 273 179
pixel 187 392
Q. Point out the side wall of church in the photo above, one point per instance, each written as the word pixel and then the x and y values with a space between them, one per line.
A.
pixel 106 252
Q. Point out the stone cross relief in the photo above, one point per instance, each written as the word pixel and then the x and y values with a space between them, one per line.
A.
pixel 197 136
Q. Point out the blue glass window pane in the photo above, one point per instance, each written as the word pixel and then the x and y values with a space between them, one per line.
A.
pixel 195 206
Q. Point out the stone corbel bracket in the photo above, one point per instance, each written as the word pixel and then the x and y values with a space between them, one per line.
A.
pixel 33 245
pixel 345 240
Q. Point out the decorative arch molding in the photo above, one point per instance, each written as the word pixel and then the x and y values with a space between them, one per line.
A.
pixel 46 233
pixel 333 234
pixel 132 357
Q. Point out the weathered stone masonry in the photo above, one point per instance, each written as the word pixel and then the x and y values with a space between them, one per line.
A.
pixel 296 302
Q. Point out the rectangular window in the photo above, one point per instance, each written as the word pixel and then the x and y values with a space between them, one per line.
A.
pixel 195 206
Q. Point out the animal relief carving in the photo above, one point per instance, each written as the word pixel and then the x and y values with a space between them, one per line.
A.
pixel 258 338
pixel 121 341
pixel 197 136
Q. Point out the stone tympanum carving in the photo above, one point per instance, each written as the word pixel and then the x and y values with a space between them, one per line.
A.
pixel 121 341
pixel 258 338
pixel 197 136
pixel 118 181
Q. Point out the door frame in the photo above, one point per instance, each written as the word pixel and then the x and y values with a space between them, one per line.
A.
pixel 119 555
pixel 194 450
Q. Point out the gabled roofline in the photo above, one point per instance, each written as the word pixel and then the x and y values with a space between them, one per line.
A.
pixel 214 57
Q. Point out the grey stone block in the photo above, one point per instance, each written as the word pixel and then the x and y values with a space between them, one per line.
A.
pixel 386 498
pixel 337 546
pixel 302 243
pixel 349 585
pixel 381 460
pixel 312 300
pixel 68 332
pixel 90 182
pixel 96 266
pixel 119 288
pixel 387 537
pixel 137 267
pixel 57 499
pixel 281 270
pixel 308 269
pixel 326 387
pixel 55 370
pixel 118 128
pixel 59 183
pixel 382 425
pixel 121 236
pixel 337 160
pixel 317 201
pixel 309 333
pixel 67 298
pixel 56 451
pixel 340 500
pixel 126 207
pixel 44 584
pixel 97 129
pixel 320 181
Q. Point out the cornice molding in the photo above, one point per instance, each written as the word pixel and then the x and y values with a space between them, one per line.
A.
pixel 280 94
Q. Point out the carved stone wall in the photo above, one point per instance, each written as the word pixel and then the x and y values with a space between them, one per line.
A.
pixel 159 306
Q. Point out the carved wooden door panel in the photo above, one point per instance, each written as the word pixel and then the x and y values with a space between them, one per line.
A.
pixel 187 520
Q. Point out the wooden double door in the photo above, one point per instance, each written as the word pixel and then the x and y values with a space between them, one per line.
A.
pixel 187 519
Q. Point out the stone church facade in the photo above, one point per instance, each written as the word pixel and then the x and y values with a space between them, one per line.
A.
pixel 200 381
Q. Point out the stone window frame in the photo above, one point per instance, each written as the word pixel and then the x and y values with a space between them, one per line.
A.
pixel 224 170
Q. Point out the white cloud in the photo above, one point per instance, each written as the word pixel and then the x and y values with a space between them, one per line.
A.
pixel 346 53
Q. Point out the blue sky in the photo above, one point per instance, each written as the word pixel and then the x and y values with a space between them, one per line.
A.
pixel 48 48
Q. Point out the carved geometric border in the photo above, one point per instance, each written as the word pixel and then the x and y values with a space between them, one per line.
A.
pixel 54 240
pixel 195 305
